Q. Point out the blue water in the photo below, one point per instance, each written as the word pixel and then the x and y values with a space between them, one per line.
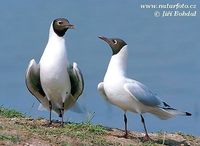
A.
pixel 163 54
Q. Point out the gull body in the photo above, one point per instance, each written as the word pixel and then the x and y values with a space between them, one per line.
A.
pixel 54 82
pixel 128 94
pixel 54 76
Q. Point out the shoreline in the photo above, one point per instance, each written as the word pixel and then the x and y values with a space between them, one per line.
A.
pixel 17 129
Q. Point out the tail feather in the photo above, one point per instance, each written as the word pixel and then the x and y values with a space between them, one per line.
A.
pixel 168 112
pixel 188 114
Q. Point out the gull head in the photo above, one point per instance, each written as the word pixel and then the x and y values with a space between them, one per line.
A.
pixel 116 44
pixel 61 25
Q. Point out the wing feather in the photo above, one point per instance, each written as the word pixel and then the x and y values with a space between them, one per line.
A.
pixel 33 80
pixel 141 93
pixel 100 88
pixel 33 84
pixel 76 79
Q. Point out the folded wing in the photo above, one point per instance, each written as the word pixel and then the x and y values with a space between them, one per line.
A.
pixel 159 108
pixel 141 93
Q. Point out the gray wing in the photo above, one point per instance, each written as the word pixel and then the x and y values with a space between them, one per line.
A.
pixel 100 88
pixel 33 84
pixel 76 79
pixel 141 93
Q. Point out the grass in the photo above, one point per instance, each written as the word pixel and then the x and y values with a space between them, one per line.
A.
pixel 73 129
pixel 149 144
pixel 186 136
pixel 9 137
pixel 82 131
pixel 10 113
pixel 16 128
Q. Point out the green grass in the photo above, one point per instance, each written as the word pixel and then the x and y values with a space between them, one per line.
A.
pixel 10 113
pixel 73 129
pixel 7 137
pixel 71 134
pixel 82 131
pixel 149 143
pixel 65 144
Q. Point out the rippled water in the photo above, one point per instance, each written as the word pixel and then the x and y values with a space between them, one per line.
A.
pixel 163 54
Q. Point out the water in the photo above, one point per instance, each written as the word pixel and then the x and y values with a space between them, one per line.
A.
pixel 163 54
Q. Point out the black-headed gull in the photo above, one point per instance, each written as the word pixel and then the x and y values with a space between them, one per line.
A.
pixel 128 94
pixel 54 82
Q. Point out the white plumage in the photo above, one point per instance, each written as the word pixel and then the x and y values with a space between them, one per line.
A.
pixel 54 82
pixel 53 70
pixel 129 94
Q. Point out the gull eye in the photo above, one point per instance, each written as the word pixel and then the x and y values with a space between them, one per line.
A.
pixel 60 22
pixel 115 42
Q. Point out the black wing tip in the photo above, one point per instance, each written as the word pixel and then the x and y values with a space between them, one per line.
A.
pixel 188 114
pixel 166 105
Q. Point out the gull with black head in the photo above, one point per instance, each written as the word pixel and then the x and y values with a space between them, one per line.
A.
pixel 128 94
pixel 53 81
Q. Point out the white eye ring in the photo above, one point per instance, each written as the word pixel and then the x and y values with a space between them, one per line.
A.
pixel 115 42
pixel 60 22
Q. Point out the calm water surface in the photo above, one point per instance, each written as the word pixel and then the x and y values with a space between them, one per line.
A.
pixel 163 54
